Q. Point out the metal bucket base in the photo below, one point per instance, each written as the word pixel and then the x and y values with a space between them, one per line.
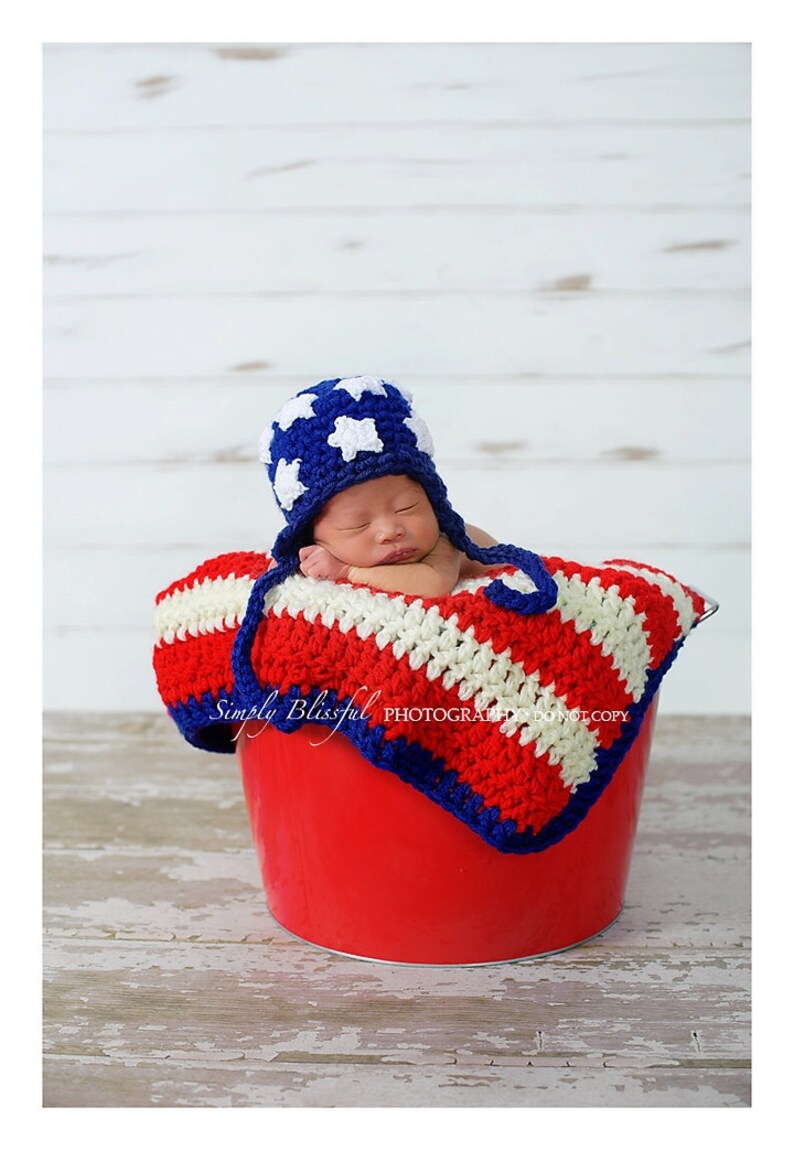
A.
pixel 484 963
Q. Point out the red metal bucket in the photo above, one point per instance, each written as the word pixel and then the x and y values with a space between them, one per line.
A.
pixel 414 884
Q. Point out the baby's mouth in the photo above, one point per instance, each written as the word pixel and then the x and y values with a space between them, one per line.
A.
pixel 399 554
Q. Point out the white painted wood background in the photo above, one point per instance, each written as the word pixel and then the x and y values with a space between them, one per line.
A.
pixel 548 243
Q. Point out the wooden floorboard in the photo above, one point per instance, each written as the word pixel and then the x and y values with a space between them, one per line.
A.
pixel 168 984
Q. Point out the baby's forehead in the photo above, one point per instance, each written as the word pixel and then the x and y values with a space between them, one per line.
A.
pixel 364 496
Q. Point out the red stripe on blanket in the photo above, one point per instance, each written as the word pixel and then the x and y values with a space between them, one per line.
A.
pixel 517 779
pixel 661 620
pixel 590 683
pixel 188 668
pixel 221 567
pixel 697 600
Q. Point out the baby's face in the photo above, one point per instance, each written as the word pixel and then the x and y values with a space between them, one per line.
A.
pixel 384 521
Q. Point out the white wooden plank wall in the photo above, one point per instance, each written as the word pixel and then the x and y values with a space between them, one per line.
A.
pixel 547 243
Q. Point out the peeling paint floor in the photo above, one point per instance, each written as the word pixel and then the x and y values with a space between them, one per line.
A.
pixel 168 984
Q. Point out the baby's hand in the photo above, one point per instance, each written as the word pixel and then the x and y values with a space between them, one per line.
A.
pixel 320 564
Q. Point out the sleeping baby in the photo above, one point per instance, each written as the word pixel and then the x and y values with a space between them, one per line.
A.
pixel 351 466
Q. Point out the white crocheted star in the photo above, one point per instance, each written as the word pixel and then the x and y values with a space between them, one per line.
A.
pixel 357 385
pixel 298 408
pixel 424 440
pixel 286 485
pixel 354 436
pixel 263 447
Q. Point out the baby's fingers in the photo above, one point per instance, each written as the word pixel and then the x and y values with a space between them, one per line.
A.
pixel 313 565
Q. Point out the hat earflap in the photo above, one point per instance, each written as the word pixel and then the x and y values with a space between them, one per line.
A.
pixel 523 603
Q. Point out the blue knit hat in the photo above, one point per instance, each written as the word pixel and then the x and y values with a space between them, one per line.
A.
pixel 346 431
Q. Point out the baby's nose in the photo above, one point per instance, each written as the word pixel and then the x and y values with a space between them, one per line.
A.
pixel 388 530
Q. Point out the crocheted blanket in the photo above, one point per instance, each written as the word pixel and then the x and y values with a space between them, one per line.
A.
pixel 514 723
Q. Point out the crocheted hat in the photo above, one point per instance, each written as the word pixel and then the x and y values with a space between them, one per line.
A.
pixel 345 431
pixel 336 434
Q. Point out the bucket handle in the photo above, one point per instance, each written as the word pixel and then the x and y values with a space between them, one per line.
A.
pixel 712 605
